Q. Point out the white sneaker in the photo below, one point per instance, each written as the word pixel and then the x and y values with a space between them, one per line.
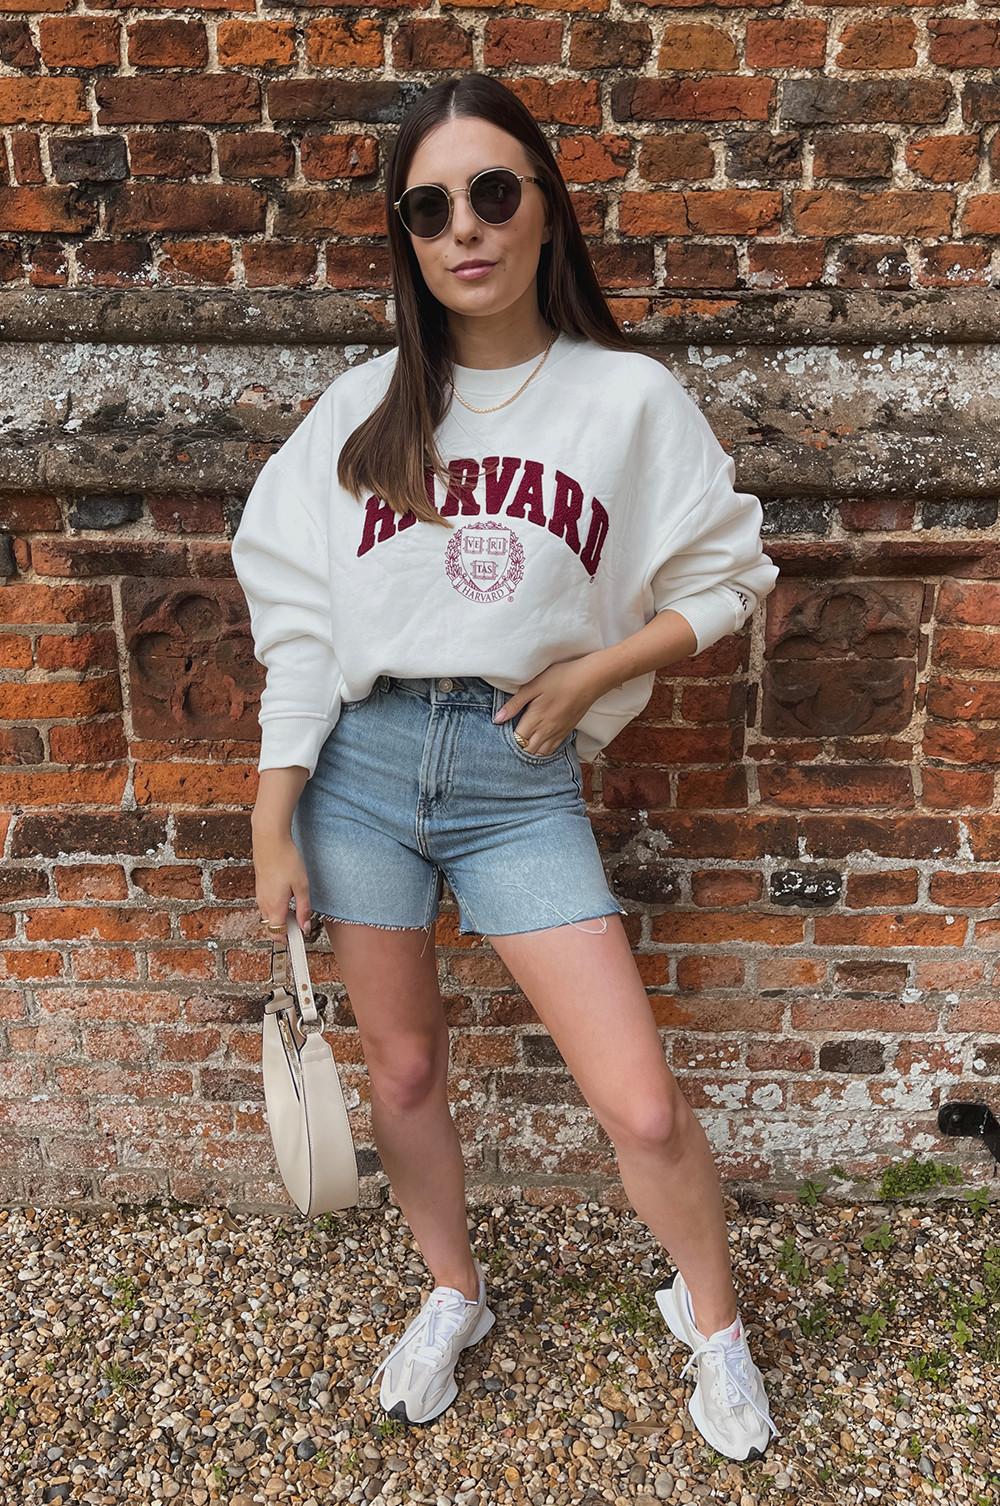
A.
pixel 419 1379
pixel 729 1406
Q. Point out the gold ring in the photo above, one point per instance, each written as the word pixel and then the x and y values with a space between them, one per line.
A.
pixel 519 740
pixel 275 928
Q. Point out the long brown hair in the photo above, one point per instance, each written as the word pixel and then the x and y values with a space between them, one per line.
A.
pixel 388 454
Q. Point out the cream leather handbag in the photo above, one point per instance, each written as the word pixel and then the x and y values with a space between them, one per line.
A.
pixel 306 1112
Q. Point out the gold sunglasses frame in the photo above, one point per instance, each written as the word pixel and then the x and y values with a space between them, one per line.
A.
pixel 521 178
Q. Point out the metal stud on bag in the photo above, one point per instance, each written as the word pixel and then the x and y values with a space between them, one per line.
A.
pixel 306 1112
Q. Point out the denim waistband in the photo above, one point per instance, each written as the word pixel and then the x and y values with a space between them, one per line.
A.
pixel 461 690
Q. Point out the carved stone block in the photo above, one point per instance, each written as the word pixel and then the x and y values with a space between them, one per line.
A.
pixel 192 673
pixel 842 658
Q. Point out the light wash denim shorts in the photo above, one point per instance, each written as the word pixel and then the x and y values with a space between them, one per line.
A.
pixel 416 783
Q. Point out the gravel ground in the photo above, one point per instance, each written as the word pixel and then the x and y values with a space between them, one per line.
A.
pixel 167 1353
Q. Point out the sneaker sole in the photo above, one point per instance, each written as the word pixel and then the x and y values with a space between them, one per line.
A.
pixel 397 1409
pixel 666 1301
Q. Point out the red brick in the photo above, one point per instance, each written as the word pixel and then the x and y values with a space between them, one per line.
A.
pixel 595 43
pixel 958 42
pixel 345 42
pixel 903 211
pixel 944 159
pixel 982 214
pixel 719 98
pixel 594 160
pixel 79 41
pixel 255 44
pixel 796 42
pixel 433 43
pixel 878 45
pixel 696 47
pixel 173 43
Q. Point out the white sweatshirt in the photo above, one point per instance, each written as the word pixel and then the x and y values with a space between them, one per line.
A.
pixel 594 500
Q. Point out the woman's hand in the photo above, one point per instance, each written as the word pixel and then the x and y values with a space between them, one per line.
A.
pixel 280 874
pixel 557 701
pixel 278 865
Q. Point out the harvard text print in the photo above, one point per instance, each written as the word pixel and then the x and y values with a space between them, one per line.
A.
pixel 484 557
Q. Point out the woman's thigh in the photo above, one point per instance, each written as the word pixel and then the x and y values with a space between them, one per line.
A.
pixel 588 993
pixel 392 983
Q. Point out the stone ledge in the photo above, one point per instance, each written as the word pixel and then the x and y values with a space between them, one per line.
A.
pixel 864 464
pixel 330 317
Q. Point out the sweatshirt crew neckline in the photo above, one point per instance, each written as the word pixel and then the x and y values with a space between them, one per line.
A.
pixel 503 381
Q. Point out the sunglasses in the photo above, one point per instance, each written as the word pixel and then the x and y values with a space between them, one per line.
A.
pixel 494 195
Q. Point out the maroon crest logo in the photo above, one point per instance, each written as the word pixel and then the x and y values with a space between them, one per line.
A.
pixel 484 561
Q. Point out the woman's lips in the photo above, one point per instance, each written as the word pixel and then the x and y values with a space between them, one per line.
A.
pixel 470 274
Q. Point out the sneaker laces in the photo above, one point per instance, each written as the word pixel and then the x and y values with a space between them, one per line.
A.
pixel 728 1365
pixel 432 1330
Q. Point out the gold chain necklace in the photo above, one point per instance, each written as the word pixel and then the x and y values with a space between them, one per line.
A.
pixel 529 378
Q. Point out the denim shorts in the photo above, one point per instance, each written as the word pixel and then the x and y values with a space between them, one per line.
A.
pixel 415 784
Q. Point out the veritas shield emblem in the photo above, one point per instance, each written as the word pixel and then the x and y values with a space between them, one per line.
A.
pixel 484 561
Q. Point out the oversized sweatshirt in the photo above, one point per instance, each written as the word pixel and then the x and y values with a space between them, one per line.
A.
pixel 596 499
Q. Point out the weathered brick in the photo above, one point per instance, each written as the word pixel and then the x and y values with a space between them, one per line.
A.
pixel 165 43
pixel 43 101
pixel 880 43
pixel 172 154
pixel 852 154
pixel 697 47
pixel 671 155
pixel 435 43
pixel 795 42
pixel 255 154
pixel 735 98
pixel 195 207
pixel 345 42
pixel 79 41
pixel 218 99
pixel 591 160
pixel 764 155
pixel 980 102
pixel 958 42
pixel 17 45
pixel 330 156
pixel 788 265
pixel 874 264
pixel 696 266
pixel 89 159
pixel 982 214
pixel 602 43
pixel 944 159
pixel 834 101
pixel 708 212
pixel 921 212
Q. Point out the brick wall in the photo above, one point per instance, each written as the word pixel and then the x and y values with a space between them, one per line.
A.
pixel 710 147
pixel 795 207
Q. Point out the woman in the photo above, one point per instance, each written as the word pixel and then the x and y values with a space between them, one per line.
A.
pixel 461 570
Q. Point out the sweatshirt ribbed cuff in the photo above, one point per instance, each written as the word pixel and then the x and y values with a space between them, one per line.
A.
pixel 292 740
pixel 712 614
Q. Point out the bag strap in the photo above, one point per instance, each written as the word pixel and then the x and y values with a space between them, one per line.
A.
pixel 294 949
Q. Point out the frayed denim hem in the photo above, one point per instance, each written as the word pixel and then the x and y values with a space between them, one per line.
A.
pixel 375 925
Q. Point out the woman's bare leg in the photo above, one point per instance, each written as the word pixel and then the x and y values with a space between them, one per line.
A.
pixel 391 979
pixel 587 991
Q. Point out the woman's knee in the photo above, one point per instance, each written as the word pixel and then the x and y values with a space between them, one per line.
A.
pixel 649 1121
pixel 408 1072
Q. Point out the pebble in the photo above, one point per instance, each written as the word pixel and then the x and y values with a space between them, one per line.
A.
pixel 201 1355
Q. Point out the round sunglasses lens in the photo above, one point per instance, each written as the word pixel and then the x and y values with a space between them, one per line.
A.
pixel 424 210
pixel 496 195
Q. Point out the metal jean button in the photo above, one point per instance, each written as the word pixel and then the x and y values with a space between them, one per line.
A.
pixel 446 684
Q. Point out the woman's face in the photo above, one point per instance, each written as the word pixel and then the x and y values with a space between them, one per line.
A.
pixel 451 155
